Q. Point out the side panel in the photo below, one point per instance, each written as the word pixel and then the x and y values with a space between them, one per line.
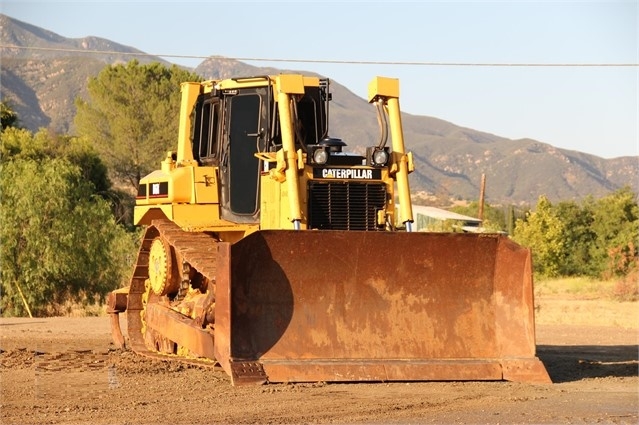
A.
pixel 349 306
pixel 190 217
pixel 271 203
pixel 206 185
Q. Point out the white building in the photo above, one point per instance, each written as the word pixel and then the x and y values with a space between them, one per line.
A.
pixel 428 217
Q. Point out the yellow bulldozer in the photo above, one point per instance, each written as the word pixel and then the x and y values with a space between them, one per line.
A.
pixel 273 253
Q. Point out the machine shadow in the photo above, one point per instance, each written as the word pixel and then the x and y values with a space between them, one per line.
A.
pixel 569 363
pixel 262 301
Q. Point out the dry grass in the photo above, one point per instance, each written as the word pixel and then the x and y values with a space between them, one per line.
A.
pixel 72 309
pixel 582 301
pixel 574 288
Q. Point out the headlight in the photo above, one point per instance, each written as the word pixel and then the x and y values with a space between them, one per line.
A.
pixel 380 157
pixel 377 157
pixel 320 156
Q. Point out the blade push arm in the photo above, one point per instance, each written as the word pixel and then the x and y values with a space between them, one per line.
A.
pixel 288 85
pixel 386 91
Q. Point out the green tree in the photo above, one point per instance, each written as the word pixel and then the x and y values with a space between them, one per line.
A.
pixel 578 237
pixel 22 144
pixel 80 152
pixel 59 239
pixel 616 226
pixel 132 116
pixel 543 232
pixel 8 118
pixel 597 238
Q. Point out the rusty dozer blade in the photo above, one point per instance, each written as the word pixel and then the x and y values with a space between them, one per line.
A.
pixel 305 306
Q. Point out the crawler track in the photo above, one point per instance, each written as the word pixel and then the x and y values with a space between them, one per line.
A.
pixel 197 249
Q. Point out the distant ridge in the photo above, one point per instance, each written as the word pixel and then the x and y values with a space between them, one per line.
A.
pixel 41 86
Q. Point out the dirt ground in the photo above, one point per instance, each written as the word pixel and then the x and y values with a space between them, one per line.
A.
pixel 67 371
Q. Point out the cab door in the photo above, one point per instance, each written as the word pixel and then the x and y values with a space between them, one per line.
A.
pixel 240 168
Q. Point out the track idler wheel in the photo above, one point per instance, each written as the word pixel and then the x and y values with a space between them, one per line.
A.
pixel 163 273
pixel 164 281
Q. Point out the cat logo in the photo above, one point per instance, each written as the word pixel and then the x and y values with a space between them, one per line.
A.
pixel 347 173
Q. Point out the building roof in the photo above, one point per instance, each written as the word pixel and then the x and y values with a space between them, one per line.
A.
pixel 441 214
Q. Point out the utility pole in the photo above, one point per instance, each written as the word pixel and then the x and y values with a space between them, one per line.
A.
pixel 482 191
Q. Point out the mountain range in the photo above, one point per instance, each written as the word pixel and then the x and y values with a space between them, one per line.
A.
pixel 43 72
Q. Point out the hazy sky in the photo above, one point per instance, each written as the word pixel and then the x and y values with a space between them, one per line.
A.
pixel 590 109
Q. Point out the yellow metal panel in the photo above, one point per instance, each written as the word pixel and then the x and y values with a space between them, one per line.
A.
pixel 275 207
pixel 155 176
pixel 180 185
pixel 311 81
pixel 203 217
pixel 183 184
pixel 190 92
pixel 144 214
pixel 206 185
pixel 190 217
pixel 208 85
pixel 270 203
pixel 290 83
pixel 237 83
pixel 383 87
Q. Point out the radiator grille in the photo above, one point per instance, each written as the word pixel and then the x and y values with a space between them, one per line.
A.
pixel 345 205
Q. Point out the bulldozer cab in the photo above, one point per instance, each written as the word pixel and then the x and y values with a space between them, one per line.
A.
pixel 231 128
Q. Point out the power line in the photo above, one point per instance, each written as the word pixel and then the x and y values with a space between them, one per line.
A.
pixel 329 61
